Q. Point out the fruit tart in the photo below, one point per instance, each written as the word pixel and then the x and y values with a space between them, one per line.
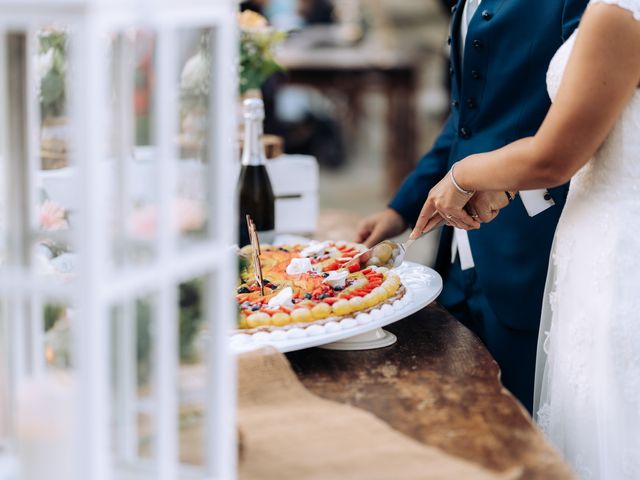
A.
pixel 308 284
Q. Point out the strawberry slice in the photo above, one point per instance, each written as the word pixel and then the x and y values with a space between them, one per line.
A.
pixel 353 268
pixel 332 266
pixel 330 300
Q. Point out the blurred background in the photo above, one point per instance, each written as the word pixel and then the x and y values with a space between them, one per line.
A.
pixel 354 92
pixel 363 89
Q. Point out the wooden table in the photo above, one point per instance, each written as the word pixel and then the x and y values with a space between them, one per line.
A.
pixel 439 385
pixel 348 73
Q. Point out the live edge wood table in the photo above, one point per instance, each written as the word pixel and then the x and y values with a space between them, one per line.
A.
pixel 439 385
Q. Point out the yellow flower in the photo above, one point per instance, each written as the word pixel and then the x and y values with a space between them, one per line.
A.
pixel 250 20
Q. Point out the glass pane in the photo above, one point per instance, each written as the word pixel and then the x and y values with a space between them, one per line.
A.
pixel 57 322
pixel 194 124
pixel 51 69
pixel 35 396
pixel 192 372
pixel 132 166
pixel 132 326
pixel 55 196
pixel 5 375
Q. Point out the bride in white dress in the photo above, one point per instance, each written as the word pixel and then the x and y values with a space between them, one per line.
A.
pixel 587 398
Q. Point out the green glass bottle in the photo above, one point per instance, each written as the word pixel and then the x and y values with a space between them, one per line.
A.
pixel 254 187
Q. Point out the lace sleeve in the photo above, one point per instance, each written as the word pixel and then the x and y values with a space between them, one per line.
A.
pixel 632 5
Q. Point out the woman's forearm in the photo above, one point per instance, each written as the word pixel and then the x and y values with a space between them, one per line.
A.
pixel 521 165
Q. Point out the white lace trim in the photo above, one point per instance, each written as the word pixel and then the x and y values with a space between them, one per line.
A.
pixel 632 5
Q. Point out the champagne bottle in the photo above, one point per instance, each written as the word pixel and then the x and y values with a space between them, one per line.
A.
pixel 256 194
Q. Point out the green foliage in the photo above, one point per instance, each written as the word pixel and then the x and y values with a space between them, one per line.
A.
pixel 56 248
pixel 190 317
pixel 52 313
pixel 143 343
pixel 243 265
pixel 53 56
pixel 257 61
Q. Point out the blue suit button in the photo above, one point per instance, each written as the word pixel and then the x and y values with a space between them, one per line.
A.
pixel 547 196
pixel 471 103
pixel 449 41
pixel 450 70
pixel 475 74
pixel 486 15
pixel 464 133
pixel 476 43
pixel 453 9
pixel 455 104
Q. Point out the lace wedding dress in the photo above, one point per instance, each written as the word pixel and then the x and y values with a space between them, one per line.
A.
pixel 587 398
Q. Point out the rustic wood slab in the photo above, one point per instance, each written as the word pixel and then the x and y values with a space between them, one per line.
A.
pixel 440 386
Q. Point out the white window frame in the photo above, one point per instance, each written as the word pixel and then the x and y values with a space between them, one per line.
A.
pixel 97 286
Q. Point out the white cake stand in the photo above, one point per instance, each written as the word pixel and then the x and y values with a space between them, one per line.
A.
pixel 364 331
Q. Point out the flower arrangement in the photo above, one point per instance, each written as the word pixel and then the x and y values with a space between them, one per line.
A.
pixel 257 59
pixel 257 44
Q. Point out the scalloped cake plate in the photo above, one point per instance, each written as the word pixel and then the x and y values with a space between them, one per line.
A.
pixel 422 284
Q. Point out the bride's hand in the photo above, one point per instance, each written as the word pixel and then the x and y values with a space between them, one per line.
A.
pixel 445 202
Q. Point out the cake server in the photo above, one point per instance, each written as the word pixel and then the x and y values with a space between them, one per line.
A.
pixel 387 253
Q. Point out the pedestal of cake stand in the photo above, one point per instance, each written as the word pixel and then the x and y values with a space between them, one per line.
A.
pixel 377 338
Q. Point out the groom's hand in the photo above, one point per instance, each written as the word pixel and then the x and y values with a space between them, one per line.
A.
pixel 487 205
pixel 380 226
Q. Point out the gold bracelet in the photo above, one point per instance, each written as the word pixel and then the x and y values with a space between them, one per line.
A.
pixel 458 187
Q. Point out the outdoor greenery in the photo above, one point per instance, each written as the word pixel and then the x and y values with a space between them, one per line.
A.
pixel 52 67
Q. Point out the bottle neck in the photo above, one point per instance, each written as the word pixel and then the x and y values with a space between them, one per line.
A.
pixel 253 149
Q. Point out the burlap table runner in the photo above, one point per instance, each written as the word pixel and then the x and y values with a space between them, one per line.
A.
pixel 288 433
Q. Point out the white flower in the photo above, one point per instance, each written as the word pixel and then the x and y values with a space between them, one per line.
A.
pixel 195 75
pixel 45 63
pixel 43 265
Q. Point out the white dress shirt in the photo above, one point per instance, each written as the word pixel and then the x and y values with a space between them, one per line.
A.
pixel 535 201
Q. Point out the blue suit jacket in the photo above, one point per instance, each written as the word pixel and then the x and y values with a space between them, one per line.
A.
pixel 499 95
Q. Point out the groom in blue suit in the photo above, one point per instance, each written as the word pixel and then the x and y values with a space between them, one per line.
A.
pixel 495 276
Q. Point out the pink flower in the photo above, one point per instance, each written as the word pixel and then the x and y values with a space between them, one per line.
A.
pixel 144 222
pixel 189 217
pixel 52 216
